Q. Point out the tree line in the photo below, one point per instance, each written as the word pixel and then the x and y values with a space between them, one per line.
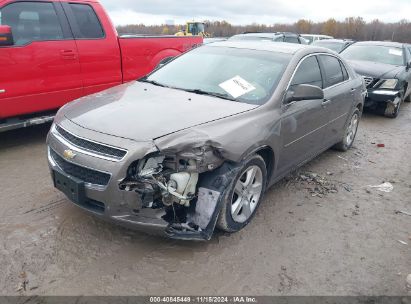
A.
pixel 355 28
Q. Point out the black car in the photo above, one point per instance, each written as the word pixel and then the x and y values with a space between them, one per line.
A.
pixel 386 69
pixel 337 45
pixel 276 37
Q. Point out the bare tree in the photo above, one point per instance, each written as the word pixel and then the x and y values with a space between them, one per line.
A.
pixel 352 27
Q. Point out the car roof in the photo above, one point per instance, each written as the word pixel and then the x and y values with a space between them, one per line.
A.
pixel 381 43
pixel 265 35
pixel 278 47
pixel 332 40
pixel 315 35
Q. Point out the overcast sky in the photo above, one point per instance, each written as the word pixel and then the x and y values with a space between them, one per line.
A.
pixel 249 11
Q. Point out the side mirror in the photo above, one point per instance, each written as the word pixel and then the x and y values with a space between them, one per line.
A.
pixel 303 92
pixel 6 36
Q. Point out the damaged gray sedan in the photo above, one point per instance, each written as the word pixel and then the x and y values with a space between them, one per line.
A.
pixel 195 144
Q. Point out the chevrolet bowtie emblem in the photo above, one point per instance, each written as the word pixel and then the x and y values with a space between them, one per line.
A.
pixel 68 154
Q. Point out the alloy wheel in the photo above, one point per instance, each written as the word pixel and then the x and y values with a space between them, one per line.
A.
pixel 247 193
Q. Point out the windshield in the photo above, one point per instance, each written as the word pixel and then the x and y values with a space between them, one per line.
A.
pixel 375 53
pixel 242 75
pixel 335 46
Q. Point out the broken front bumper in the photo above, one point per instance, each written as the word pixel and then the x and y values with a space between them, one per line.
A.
pixel 378 97
pixel 91 181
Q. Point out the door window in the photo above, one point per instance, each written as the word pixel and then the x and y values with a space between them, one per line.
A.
pixel 89 26
pixel 308 73
pixel 332 69
pixel 31 21
pixel 344 70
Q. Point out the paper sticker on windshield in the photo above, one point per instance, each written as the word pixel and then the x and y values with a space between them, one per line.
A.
pixel 395 52
pixel 237 86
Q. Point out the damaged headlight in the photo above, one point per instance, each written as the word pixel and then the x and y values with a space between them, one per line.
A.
pixel 196 159
pixel 171 176
pixel 389 84
pixel 150 166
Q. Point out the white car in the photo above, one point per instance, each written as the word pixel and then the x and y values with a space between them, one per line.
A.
pixel 312 37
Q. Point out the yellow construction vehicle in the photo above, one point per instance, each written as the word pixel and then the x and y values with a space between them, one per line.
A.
pixel 194 28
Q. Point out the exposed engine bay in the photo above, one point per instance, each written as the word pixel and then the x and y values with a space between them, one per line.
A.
pixel 187 186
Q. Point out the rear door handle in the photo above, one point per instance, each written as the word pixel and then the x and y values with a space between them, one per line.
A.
pixel 352 90
pixel 68 54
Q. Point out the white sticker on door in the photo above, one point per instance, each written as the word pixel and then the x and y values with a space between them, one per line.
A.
pixel 395 52
pixel 237 86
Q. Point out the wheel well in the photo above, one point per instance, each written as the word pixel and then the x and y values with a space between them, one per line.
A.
pixel 360 107
pixel 268 155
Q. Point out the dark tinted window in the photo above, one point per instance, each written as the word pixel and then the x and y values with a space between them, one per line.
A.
pixel 31 21
pixel 88 24
pixel 291 40
pixel 332 69
pixel 308 73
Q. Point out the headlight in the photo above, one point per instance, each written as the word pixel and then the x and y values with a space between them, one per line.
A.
pixel 389 84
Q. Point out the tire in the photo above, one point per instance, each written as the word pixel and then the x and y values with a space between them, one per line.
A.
pixel 392 111
pixel 350 132
pixel 406 98
pixel 237 210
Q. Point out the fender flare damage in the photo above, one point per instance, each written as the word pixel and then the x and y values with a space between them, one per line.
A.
pixel 213 187
pixel 189 187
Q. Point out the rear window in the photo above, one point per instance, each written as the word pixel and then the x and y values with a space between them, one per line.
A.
pixel 89 26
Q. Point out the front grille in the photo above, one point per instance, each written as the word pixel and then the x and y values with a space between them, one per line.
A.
pixel 368 80
pixel 92 146
pixel 84 174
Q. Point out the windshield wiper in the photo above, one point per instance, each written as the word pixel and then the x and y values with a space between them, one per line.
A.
pixel 153 82
pixel 214 94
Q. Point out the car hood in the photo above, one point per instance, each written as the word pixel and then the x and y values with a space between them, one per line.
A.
pixel 143 112
pixel 375 69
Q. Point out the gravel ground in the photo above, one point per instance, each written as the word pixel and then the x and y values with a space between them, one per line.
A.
pixel 321 231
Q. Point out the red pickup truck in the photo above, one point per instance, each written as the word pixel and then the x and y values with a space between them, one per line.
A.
pixel 55 51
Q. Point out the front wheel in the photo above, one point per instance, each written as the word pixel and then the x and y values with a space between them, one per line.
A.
pixel 244 195
pixel 350 132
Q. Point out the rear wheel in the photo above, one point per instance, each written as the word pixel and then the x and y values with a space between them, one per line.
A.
pixel 350 132
pixel 244 195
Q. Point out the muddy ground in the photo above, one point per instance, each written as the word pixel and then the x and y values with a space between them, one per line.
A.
pixel 343 240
